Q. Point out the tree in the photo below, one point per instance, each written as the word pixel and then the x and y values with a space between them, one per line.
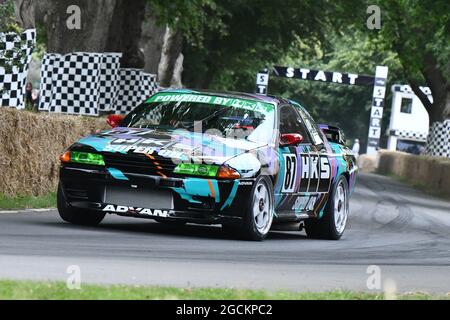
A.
pixel 24 11
pixel 419 32
pixel 149 33
pixel 125 31
pixel 11 60
pixel 256 33
pixel 329 103
pixel 106 25
pixel 170 27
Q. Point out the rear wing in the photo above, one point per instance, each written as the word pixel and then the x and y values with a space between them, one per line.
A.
pixel 333 134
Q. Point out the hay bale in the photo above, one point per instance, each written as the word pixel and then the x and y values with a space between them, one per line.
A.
pixel 367 163
pixel 387 161
pixel 30 147
pixel 432 173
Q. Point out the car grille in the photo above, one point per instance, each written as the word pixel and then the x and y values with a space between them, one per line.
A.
pixel 76 191
pixel 139 163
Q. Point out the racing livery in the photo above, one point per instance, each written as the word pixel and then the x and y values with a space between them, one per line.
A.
pixel 240 160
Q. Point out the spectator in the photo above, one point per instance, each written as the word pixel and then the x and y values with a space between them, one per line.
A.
pixel 355 148
pixel 35 99
pixel 31 97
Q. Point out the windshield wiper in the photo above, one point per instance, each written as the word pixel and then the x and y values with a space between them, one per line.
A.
pixel 211 116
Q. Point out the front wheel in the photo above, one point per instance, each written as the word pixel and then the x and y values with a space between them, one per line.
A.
pixel 332 225
pixel 258 216
pixel 77 216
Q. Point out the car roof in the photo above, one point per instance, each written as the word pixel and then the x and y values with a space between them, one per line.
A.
pixel 249 96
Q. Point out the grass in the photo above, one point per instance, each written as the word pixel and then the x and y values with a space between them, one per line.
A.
pixel 28 202
pixel 421 186
pixel 12 289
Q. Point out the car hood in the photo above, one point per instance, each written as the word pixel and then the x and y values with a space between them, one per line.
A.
pixel 176 144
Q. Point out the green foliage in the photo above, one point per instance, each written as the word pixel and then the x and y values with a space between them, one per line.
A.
pixel 28 202
pixel 347 107
pixel 253 34
pixel 10 289
pixel 257 33
pixel 10 59
pixel 7 18
pixel 417 31
pixel 192 17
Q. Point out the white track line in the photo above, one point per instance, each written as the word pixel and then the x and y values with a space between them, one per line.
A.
pixel 27 210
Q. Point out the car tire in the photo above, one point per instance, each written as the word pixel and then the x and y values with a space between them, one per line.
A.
pixel 331 225
pixel 258 215
pixel 77 216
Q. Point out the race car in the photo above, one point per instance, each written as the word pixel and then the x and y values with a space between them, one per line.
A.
pixel 244 161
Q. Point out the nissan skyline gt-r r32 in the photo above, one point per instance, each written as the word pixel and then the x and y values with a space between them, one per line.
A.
pixel 240 160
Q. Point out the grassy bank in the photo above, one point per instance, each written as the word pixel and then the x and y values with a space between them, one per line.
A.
pixel 438 193
pixel 428 174
pixel 10 289
pixel 28 202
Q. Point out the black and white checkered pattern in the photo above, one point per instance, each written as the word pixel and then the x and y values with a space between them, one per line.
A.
pixel 20 47
pixel 408 134
pixel 75 83
pixel 109 80
pixel 407 89
pixel 30 37
pixel 12 94
pixel 149 88
pixel 438 144
pixel 149 85
pixel 86 83
pixel 129 95
pixel 45 90
pixel 135 87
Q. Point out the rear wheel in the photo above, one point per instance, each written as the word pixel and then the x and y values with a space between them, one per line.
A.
pixel 332 225
pixel 77 216
pixel 258 214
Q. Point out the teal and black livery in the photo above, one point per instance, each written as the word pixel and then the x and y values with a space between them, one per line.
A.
pixel 254 161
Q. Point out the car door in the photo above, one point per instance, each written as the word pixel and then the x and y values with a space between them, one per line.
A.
pixel 322 160
pixel 293 182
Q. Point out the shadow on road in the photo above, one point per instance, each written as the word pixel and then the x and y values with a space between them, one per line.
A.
pixel 188 230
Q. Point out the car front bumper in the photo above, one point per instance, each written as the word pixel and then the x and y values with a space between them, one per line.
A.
pixel 191 199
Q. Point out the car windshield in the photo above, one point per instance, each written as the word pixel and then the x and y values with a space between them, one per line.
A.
pixel 221 116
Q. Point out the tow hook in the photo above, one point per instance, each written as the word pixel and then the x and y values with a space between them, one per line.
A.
pixel 301 226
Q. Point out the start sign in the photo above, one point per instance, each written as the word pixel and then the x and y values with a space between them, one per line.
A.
pixel 378 82
pixel 324 76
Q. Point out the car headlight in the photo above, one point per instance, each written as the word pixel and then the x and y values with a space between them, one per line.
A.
pixel 207 170
pixel 82 158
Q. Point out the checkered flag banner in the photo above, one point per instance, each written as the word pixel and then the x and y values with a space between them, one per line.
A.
pixel 109 80
pixel 15 56
pixel 87 83
pixel 414 135
pixel 438 144
pixel 135 87
pixel 407 89
pixel 149 85
pixel 75 82
pixel 45 89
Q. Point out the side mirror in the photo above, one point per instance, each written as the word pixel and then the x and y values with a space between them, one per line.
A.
pixel 290 139
pixel 114 120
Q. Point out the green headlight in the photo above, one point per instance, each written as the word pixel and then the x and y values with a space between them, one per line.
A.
pixel 205 170
pixel 87 158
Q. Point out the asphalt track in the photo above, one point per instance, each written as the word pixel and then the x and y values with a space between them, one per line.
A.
pixel 402 231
